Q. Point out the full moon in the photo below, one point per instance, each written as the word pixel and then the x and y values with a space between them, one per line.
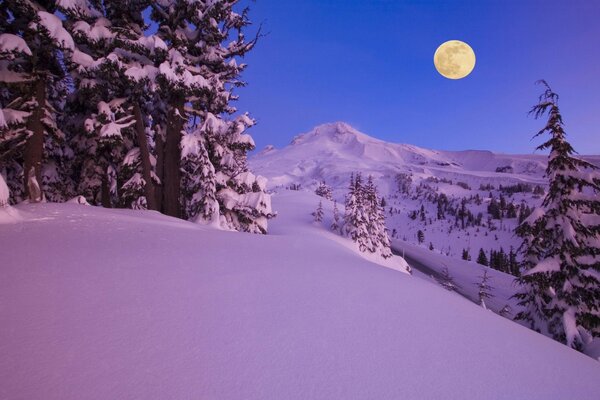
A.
pixel 454 59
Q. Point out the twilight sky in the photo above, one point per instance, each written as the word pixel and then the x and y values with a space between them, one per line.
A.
pixel 370 63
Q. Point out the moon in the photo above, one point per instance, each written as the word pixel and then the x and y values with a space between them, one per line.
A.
pixel 454 59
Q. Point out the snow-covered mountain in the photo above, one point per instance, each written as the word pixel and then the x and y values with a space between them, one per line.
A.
pixel 331 151
pixel 410 177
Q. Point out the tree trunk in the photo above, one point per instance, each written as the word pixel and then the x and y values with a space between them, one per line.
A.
pixel 145 158
pixel 105 193
pixel 34 146
pixel 172 161
pixel 160 162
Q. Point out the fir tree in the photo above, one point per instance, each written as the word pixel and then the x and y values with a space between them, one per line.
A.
pixel 318 214
pixel 482 258
pixel 484 289
pixel 33 85
pixel 465 255
pixel 324 190
pixel 420 236
pixel 447 281
pixel 335 224
pixel 560 290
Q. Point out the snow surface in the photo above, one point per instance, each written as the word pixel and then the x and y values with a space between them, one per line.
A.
pixel 106 304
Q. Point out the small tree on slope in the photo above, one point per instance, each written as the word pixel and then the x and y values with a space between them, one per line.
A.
pixel 335 224
pixel 318 214
pixel 484 289
pixel 560 287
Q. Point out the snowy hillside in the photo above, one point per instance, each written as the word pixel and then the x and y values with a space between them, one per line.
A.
pixel 106 304
pixel 424 189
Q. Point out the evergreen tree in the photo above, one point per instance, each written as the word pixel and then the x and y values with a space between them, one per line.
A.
pixel 335 224
pixel 560 290
pixel 465 255
pixel 34 47
pixel 484 289
pixel 447 281
pixel 115 91
pixel 324 190
pixel 318 214
pixel 420 236
pixel 482 258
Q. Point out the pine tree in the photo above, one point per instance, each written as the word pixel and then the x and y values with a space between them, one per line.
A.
pixel 196 84
pixel 324 190
pixel 482 258
pixel 335 224
pixel 465 255
pixel 115 92
pixel 560 290
pixel 420 236
pixel 33 85
pixel 447 281
pixel 484 289
pixel 318 214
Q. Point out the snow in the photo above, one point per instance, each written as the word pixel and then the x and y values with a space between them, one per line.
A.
pixel 9 116
pixel 55 29
pixel 8 214
pixel 98 31
pixel 133 304
pixel 546 265
pixel 4 193
pixel 13 43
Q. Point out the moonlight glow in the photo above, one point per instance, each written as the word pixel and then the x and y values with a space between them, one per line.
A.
pixel 454 59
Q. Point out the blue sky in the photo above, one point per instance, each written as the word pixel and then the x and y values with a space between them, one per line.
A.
pixel 370 63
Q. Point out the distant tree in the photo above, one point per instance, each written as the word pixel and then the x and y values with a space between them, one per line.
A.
pixel 484 289
pixel 420 236
pixel 335 224
pixel 447 281
pixel 324 190
pixel 560 286
pixel 482 258
pixel 465 255
pixel 431 246
pixel 318 214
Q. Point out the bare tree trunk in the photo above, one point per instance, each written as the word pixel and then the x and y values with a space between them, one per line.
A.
pixel 172 161
pixel 145 158
pixel 34 146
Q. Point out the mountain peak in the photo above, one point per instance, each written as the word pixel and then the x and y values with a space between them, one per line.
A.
pixel 339 131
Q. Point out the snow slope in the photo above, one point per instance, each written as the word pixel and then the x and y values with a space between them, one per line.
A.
pixel 107 304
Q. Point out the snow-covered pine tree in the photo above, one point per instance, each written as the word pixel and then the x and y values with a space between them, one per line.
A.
pixel 335 223
pixel 114 95
pixel 32 81
pixel 484 289
pixel 198 183
pixel 324 190
pixel 560 286
pixel 196 83
pixel 376 221
pixel 355 216
pixel 318 214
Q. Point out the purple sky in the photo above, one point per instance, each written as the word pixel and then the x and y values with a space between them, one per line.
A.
pixel 370 63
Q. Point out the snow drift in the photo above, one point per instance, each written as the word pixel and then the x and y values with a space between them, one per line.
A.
pixel 103 304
